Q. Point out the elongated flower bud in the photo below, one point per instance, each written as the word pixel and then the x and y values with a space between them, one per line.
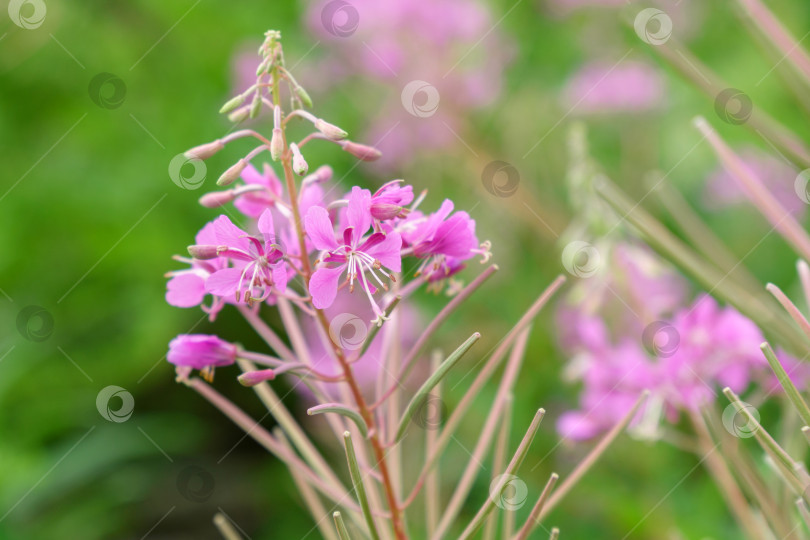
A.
pixel 239 115
pixel 215 199
pixel 204 151
pixel 204 252
pixel 200 351
pixel 232 173
pixel 232 104
pixel 252 378
pixel 303 96
pixel 277 140
pixel 362 151
pixel 330 130
pixel 256 105
pixel 322 174
pixel 299 163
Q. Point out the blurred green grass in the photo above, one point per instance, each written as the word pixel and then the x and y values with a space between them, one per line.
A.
pixel 91 218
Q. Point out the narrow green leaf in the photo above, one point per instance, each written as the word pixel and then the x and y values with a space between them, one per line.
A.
pixel 359 488
pixel 790 389
pixel 341 527
pixel 432 381
pixel 342 410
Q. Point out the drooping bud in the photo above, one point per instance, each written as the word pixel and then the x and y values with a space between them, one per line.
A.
pixel 383 211
pixel 200 351
pixel 362 151
pixel 277 139
pixel 232 173
pixel 215 199
pixel 256 105
pixel 204 151
pixel 232 104
pixel 330 130
pixel 239 115
pixel 299 163
pixel 252 378
pixel 303 96
pixel 204 252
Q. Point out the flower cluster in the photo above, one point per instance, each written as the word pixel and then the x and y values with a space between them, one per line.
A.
pixel 650 339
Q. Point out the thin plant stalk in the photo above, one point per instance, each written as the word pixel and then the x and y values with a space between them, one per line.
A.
pixel 311 499
pixel 359 486
pixel 790 307
pixel 534 517
pixel 495 416
pixel 432 479
pixel 343 534
pixel 484 375
pixel 790 389
pixel 266 333
pixel 593 456
pixel 499 463
pixel 513 466
pixel 225 527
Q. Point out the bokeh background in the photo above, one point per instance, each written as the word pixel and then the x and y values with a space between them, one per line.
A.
pixel 98 98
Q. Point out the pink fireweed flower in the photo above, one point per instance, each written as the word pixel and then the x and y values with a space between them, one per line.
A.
pixel 202 352
pixel 356 254
pixel 258 264
pixel 390 200
pixel 186 288
pixel 605 88
pixel 442 239
pixel 253 203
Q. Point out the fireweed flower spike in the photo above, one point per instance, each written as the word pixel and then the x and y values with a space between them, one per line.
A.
pixel 316 259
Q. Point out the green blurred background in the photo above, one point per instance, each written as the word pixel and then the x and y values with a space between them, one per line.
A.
pixel 89 220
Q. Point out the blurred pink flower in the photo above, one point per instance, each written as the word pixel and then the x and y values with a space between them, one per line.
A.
pixel 723 190
pixel 439 59
pixel 604 88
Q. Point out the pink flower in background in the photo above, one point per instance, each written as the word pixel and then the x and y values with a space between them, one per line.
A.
pixel 438 59
pixel 615 88
pixel 253 203
pixel 723 190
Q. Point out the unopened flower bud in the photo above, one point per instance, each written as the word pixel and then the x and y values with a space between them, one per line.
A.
pixel 276 145
pixel 299 163
pixel 252 378
pixel 232 173
pixel 232 104
pixel 256 105
pixel 362 151
pixel 330 130
pixel 204 151
pixel 204 252
pixel 215 199
pixel 383 211
pixel 322 174
pixel 239 115
pixel 303 96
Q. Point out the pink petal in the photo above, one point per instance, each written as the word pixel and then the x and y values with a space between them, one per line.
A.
pixel 230 235
pixel 185 290
pixel 388 252
pixel 265 227
pixel 207 235
pixel 280 277
pixel 319 228
pixel 358 214
pixel 223 282
pixel 323 286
